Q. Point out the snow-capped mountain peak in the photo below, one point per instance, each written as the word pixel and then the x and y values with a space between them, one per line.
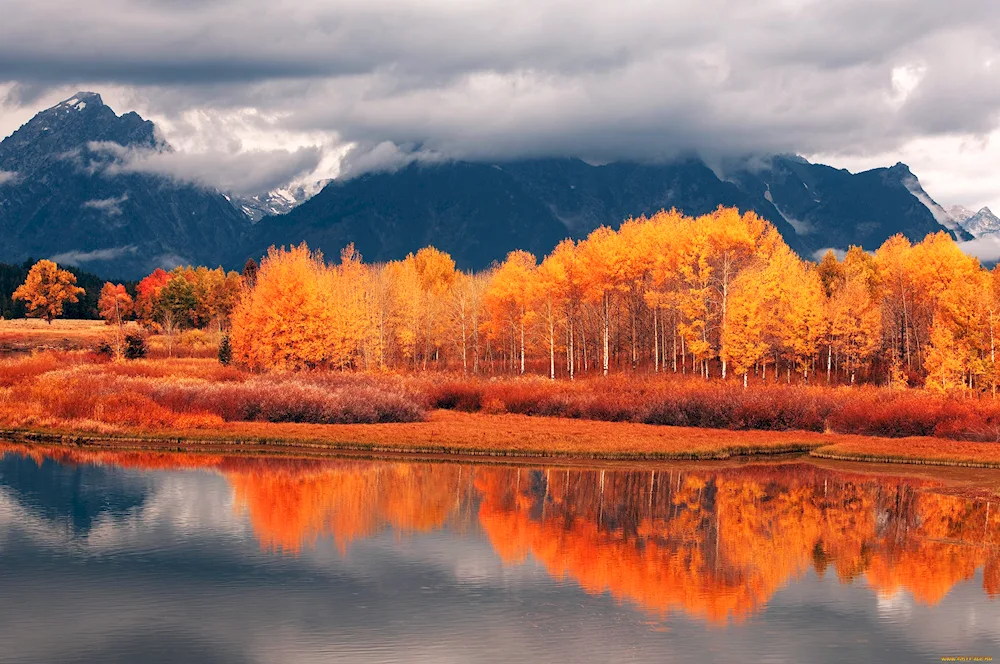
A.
pixel 278 201
pixel 982 223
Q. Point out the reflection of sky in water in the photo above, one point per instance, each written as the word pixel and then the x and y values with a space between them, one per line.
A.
pixel 101 563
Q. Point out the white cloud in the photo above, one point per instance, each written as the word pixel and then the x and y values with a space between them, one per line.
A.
pixel 245 173
pixel 109 206
pixel 77 258
pixel 7 176
pixel 385 156
pixel 839 253
pixel 986 248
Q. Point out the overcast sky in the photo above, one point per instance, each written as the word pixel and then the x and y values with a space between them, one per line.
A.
pixel 853 83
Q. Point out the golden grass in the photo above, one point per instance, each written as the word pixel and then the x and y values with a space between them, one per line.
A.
pixel 473 434
pixel 25 334
pixel 923 451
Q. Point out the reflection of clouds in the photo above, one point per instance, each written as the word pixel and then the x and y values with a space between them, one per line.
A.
pixel 894 606
pixel 15 519
pixel 179 505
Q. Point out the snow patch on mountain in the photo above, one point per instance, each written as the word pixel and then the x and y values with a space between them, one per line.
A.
pixel 959 212
pixel 275 202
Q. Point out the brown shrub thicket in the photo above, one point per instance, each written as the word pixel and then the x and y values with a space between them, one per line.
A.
pixel 694 402
pixel 52 387
pixel 49 388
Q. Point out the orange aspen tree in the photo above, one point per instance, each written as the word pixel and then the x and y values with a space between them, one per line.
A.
pixel 115 304
pixel 407 309
pixel 562 271
pixel 553 292
pixel 894 261
pixel 508 298
pixel 379 311
pixel 743 344
pixel 731 243
pixel 831 275
pixel 285 321
pixel 602 257
pixel 801 317
pixel 636 238
pixel 436 274
pixel 945 368
pixel 465 298
pixel 855 323
pixel 148 294
pixel 672 234
pixel 47 289
pixel 953 284
pixel 347 317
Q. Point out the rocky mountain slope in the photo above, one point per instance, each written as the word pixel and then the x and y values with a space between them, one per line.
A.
pixel 65 195
pixel 479 212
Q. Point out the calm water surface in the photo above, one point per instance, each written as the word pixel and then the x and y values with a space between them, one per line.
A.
pixel 134 557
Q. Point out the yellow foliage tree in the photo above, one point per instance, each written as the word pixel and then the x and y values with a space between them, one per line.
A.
pixel 944 359
pixel 508 296
pixel 47 289
pixel 743 340
pixel 287 320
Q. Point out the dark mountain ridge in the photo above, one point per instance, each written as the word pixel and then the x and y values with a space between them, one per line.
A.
pixel 67 193
pixel 479 212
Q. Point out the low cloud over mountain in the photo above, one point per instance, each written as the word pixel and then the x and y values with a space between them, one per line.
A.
pixel 508 80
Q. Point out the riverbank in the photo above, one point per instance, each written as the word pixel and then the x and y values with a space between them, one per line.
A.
pixel 170 403
pixel 519 437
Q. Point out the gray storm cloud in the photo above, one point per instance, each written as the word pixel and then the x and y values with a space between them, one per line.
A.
pixel 600 80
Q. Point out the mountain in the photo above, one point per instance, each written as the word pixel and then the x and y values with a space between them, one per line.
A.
pixel 278 201
pixel 977 224
pixel 475 212
pixel 479 212
pixel 959 213
pixel 61 197
pixel 831 207
pixel 69 190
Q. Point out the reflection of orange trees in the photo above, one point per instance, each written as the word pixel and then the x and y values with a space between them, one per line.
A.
pixel 294 504
pixel 719 545
pixel 716 545
pixel 944 541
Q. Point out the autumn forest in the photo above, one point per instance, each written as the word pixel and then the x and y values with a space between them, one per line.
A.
pixel 716 296
pixel 710 322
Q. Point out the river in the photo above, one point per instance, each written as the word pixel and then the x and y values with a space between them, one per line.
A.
pixel 142 557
